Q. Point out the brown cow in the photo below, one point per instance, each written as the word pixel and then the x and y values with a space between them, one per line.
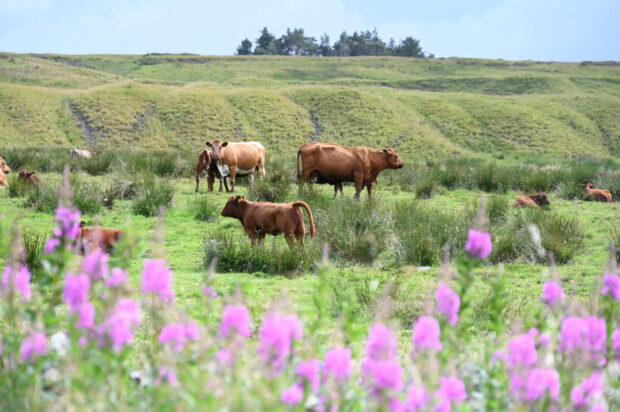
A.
pixel 332 163
pixel 599 195
pixel 241 157
pixel 29 177
pixel 536 200
pixel 87 154
pixel 260 218
pixel 4 168
pixel 205 162
pixel 91 239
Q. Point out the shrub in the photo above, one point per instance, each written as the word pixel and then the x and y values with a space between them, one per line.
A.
pixel 97 165
pixel 34 243
pixel 492 178
pixel 496 208
pixel 153 193
pixel 87 196
pixel 17 187
pixel 276 185
pixel 43 198
pixel 204 209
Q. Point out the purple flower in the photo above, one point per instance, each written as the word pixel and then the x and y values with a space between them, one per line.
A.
pixel 478 244
pixel 51 245
pixel 75 290
pixel 451 389
pixel 69 222
pixel 417 399
pixel 178 333
pixel 157 279
pixel 118 277
pixel 588 390
pixel 584 334
pixel 35 344
pixel 293 395
pixel 86 316
pixel 611 286
pixel 381 343
pixel 426 334
pixel 615 341
pixel 338 363
pixel 167 374
pixel 541 380
pixel 544 340
pixel 224 356
pixel 310 370
pixel 382 374
pixel 522 350
pixel 276 335
pixel 20 280
pixel 237 318
pixel 209 292
pixel 95 264
pixel 553 293
pixel 448 303
pixel 118 327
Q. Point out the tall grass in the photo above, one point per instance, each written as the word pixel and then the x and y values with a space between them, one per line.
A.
pixel 34 243
pixel 276 186
pixel 204 209
pixel 17 187
pixel 153 194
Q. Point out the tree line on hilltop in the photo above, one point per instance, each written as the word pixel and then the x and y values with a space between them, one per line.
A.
pixel 296 43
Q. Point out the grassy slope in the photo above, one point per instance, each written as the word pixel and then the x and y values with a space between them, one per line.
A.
pixel 420 107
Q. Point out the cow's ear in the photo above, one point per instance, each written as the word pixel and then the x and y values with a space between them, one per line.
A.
pixel 208 143
pixel 385 151
pixel 238 198
pixel 242 197
pixel 82 223
pixel 224 144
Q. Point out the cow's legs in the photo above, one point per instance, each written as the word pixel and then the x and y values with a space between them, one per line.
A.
pixel 233 175
pixel 197 181
pixel 369 188
pixel 290 239
pixel 359 186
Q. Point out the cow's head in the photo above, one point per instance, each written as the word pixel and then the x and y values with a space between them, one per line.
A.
pixel 540 199
pixel 24 174
pixel 588 186
pixel 393 160
pixel 217 145
pixel 3 166
pixel 205 157
pixel 233 206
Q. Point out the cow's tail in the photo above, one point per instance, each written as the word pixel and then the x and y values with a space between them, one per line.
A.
pixel 298 172
pixel 310 220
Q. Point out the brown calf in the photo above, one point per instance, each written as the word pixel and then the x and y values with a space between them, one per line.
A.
pixel 4 168
pixel 29 177
pixel 91 239
pixel 536 200
pixel 332 163
pixel 241 157
pixel 598 195
pixel 261 218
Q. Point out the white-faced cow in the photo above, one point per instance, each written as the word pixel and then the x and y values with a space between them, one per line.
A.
pixel 87 154
pixel 334 164
pixel 239 158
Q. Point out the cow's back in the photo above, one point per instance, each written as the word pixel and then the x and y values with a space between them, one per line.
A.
pixel 333 162
pixel 243 155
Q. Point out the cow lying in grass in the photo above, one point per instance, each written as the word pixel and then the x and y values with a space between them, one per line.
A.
pixel 262 218
pixel 92 238
pixel 29 177
pixel 4 168
pixel 598 195
pixel 536 200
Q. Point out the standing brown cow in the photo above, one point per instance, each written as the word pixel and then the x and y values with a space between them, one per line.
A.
pixel 333 164
pixel 92 238
pixel 4 168
pixel 599 195
pixel 261 218
pixel 241 157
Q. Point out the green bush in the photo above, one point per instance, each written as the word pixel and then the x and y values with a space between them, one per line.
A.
pixel 204 209
pixel 43 198
pixel 34 244
pixel 614 238
pixel 97 165
pixel 153 193
pixel 496 208
pixel 17 187
pixel 276 186
pixel 87 195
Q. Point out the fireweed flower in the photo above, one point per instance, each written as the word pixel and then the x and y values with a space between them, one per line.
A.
pixel 382 374
pixel 276 335
pixel 209 292
pixel 448 303
pixel 178 333
pixel 293 395
pixel 417 398
pixel 541 380
pixel 86 316
pixel 68 222
pixel 35 344
pixel 310 370
pixel 478 244
pixel 96 264
pixel 553 293
pixel 118 327
pixel 118 277
pixel 51 244
pixel 167 374
pixel 426 334
pixel 586 335
pixel 611 286
pixel 451 390
pixel 75 290
pixel 587 391
pixel 381 343
pixel 19 281
pixel 157 279
pixel 236 318
pixel 338 363
pixel 522 350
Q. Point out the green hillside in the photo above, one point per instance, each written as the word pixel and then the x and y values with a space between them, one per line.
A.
pixel 421 107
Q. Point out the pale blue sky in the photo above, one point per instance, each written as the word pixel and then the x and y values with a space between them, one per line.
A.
pixel 559 30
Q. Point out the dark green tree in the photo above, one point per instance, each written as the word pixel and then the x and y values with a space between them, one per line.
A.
pixel 245 47
pixel 409 47
pixel 266 43
pixel 325 49
pixel 341 47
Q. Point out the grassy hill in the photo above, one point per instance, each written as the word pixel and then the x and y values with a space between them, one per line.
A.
pixel 422 108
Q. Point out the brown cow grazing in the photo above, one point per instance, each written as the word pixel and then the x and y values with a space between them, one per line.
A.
pixel 261 218
pixel 4 168
pixel 91 239
pixel 332 163
pixel 29 177
pixel 599 195
pixel 241 157
pixel 536 200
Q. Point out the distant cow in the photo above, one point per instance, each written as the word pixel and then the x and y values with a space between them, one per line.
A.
pixel 599 195
pixel 94 238
pixel 4 168
pixel 536 200
pixel 333 164
pixel 239 158
pixel 87 154
pixel 262 218
pixel 29 177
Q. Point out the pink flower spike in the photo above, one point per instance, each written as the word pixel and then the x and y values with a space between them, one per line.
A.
pixel 35 344
pixel 209 292
pixel 75 290
pixel 553 293
pixel 338 363
pixel 276 335
pixel 95 265
pixel 51 244
pixel 478 244
pixel 448 303
pixel 173 333
pixel 236 318
pixel 611 286
pixel 426 334
pixel 86 316
pixel 417 399
pixel 310 370
pixel 157 279
pixel 293 395
pixel 118 277
pixel 381 343
pixel 540 381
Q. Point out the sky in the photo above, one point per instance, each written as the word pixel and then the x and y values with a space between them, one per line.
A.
pixel 549 30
